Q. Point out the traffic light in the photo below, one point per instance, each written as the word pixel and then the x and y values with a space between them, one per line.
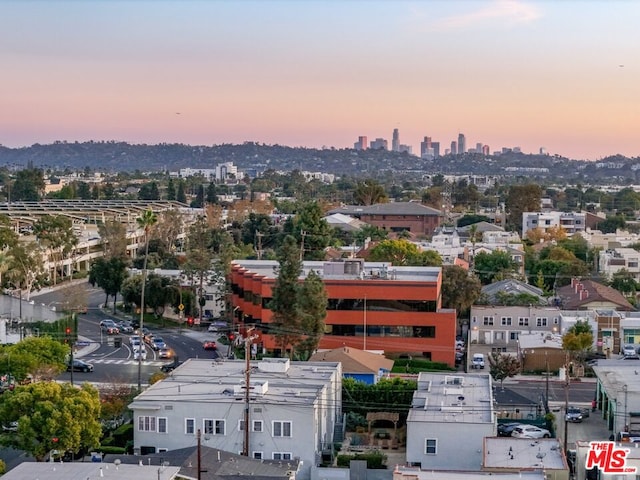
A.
pixel 67 330
pixel 231 337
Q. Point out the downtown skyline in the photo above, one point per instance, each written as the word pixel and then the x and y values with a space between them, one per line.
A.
pixel 508 73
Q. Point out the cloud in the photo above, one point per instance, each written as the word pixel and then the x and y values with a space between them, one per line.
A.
pixel 507 12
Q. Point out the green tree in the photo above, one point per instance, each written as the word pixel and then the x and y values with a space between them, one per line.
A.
pixel 50 416
pixel 503 366
pixel 198 202
pixel 470 219
pixel 460 289
pixel 401 252
pixel 494 266
pixel 212 194
pixel 114 239
pixel 522 198
pixel 28 186
pixel 109 274
pixel 161 291
pixel 171 190
pixel 181 196
pixel 286 325
pixel 38 357
pixel 199 257
pixel 370 232
pixel 26 271
pixel 612 223
pixel 369 192
pixel 149 191
pixel 309 224
pixel 8 235
pixel 312 304
pixel 55 233
pixel 578 340
pixel 624 282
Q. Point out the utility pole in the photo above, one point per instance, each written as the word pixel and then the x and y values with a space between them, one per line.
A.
pixel 247 389
pixel 566 401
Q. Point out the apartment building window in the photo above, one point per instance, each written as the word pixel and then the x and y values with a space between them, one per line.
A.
pixel 513 335
pixel 257 455
pixel 499 336
pixel 282 455
pixel 257 425
pixel 430 446
pixel 146 424
pixel 162 425
pixel 281 429
pixel 523 321
pixel 506 321
pixel 487 321
pixel 541 321
pixel 213 427
pixel 556 320
pixel 189 426
pixel 241 425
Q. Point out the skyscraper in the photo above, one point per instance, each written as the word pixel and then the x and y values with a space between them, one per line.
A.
pixel 436 149
pixel 462 143
pixel 395 142
pixel 454 148
pixel 425 148
pixel 361 144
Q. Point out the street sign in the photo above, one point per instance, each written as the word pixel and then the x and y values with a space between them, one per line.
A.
pixel 181 307
pixel 82 344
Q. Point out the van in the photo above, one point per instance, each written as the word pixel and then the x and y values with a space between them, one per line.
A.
pixel 478 360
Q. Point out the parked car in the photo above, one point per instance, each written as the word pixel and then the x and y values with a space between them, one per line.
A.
pixel 574 414
pixel 210 345
pixel 505 429
pixel 635 356
pixel 478 360
pixel 530 431
pixel 80 366
pixel 157 343
pixel 134 340
pixel 628 350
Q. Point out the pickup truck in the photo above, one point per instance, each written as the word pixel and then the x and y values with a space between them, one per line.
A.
pixel 477 361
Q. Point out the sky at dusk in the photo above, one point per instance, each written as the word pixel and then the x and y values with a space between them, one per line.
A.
pixel 563 75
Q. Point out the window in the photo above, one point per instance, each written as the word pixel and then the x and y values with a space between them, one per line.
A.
pixel 282 455
pixel 555 320
pixel 487 321
pixel 513 335
pixel 146 424
pixel 213 427
pixel 430 446
pixel 190 426
pixel 499 336
pixel 281 429
pixel 506 321
pixel 257 455
pixel 541 321
pixel 257 425
pixel 241 425
pixel 162 425
pixel 523 321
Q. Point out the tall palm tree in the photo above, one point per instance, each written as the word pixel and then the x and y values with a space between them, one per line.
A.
pixel 145 221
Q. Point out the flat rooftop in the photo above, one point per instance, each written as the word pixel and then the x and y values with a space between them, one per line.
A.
pixel 523 453
pixel 452 398
pixel 272 381
pixel 374 271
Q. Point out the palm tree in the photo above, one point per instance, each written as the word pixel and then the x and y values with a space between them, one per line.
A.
pixel 145 221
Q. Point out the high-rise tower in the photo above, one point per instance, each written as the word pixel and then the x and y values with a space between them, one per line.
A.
pixel 462 143
pixel 395 142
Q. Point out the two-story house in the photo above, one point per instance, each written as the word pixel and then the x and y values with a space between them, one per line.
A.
pixel 292 409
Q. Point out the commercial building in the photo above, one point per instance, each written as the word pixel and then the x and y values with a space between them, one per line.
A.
pixel 293 409
pixel 571 222
pixel 371 305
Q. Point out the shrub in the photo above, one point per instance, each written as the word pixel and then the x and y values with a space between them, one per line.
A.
pixel 375 460
pixel 123 434
pixel 113 450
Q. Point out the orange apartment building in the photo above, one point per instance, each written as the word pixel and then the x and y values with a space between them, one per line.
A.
pixel 371 306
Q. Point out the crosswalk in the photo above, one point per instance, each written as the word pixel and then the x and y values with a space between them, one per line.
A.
pixel 126 361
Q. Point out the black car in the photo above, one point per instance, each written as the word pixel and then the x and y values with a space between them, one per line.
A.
pixel 505 429
pixel 80 366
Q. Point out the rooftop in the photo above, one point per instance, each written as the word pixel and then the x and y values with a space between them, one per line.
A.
pixel 523 453
pixel 451 398
pixel 350 269
pixel 273 380
pixel 391 208
pixel 88 470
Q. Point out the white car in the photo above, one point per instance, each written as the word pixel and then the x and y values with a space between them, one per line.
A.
pixel 530 431
pixel 140 354
pixel 134 341
pixel 628 350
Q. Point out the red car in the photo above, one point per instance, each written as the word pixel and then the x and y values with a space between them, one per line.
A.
pixel 210 345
